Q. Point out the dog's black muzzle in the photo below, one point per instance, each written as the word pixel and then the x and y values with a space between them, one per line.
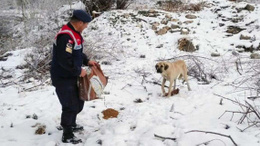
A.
pixel 159 71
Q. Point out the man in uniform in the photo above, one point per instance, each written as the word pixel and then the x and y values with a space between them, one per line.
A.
pixel 66 67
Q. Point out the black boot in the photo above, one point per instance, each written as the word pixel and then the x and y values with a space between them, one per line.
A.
pixel 76 128
pixel 69 137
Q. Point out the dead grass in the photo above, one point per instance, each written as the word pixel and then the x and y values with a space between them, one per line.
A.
pixel 37 64
pixel 178 6
pixel 186 45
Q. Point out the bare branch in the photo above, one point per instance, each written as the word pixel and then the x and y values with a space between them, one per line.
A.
pixel 174 139
pixel 238 64
pixel 230 100
pixel 207 142
pixel 254 110
pixel 253 97
pixel 186 56
pixel 228 136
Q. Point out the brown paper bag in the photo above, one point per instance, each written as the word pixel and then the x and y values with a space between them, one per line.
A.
pixel 92 85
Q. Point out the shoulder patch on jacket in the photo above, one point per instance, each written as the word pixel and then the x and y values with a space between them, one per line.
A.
pixel 69 48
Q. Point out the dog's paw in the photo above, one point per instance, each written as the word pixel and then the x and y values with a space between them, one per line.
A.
pixel 166 95
pixel 175 91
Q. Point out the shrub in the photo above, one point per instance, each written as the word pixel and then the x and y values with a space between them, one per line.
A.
pixel 37 64
pixel 122 4
pixel 104 5
pixel 97 5
pixel 174 6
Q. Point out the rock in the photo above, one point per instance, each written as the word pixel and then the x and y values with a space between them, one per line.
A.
pixel 151 11
pixel 189 16
pixel 240 50
pixel 142 56
pixel 255 56
pixel 236 20
pixel 173 26
pixel 249 49
pixel 179 23
pixel 188 22
pixel 164 21
pixel 35 117
pixel 168 16
pixel 167 27
pixel 163 30
pixel 126 15
pixel 215 54
pixel 245 48
pixel 243 37
pixel 41 130
pixel 99 142
pixel 186 45
pixel 221 24
pixel 174 20
pixel 5 56
pixel 153 15
pixel 234 29
pixel 106 63
pixel 249 7
pixel 159 46
pixel 235 53
pixel 139 25
pixel 155 25
pixel 184 31
pixel 174 31
pixel 138 100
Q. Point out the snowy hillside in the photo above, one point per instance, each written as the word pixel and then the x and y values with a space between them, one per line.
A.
pixel 128 44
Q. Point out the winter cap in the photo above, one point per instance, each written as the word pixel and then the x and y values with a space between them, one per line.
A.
pixel 82 15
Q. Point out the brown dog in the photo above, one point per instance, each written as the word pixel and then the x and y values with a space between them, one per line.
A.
pixel 171 71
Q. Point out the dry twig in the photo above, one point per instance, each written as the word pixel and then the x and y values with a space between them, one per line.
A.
pixel 247 110
pixel 164 137
pixel 230 100
pixel 207 142
pixel 228 136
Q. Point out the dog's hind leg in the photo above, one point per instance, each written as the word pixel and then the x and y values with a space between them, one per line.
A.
pixel 180 76
pixel 188 86
pixel 186 79
pixel 185 76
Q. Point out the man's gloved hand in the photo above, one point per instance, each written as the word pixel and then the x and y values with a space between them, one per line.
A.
pixel 83 72
pixel 92 63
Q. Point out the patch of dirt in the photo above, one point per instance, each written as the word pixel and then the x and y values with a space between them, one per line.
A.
pixel 110 113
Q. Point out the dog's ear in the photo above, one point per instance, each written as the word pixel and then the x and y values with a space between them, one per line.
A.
pixel 166 66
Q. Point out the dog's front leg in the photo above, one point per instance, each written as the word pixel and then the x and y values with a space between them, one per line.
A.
pixel 170 88
pixel 174 85
pixel 162 86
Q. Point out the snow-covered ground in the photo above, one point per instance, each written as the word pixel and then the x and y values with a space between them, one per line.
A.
pixel 120 38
